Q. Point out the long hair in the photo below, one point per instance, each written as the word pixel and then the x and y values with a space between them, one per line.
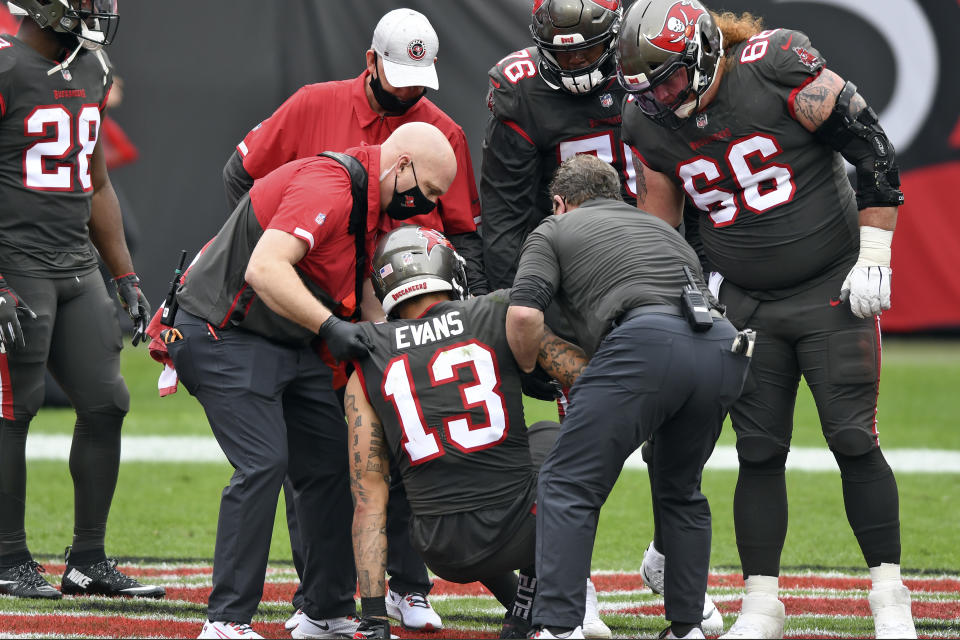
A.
pixel 736 28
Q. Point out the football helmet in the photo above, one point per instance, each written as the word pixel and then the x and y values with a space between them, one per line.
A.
pixel 93 22
pixel 667 56
pixel 410 261
pixel 568 26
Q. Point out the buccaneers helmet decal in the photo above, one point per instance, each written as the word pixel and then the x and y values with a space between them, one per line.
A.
pixel 678 28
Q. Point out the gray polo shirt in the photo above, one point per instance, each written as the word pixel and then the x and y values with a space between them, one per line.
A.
pixel 599 260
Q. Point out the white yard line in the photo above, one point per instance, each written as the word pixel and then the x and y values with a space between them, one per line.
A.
pixel 205 449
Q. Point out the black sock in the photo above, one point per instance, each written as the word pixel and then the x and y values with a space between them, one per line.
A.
pixel 10 560
pixel 523 601
pixel 87 557
pixel 681 629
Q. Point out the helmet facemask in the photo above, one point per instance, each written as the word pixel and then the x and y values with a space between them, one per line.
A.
pixel 668 87
pixel 568 26
pixel 93 23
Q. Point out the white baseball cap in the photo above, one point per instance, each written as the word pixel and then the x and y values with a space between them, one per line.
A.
pixel 407 44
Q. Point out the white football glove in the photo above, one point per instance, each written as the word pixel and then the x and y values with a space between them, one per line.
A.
pixel 867 286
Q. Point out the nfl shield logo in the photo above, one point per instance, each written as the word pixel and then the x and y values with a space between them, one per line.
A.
pixel 321 218
pixel 606 100
pixel 701 120
pixel 66 74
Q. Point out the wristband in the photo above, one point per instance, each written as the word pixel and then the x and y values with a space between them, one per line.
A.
pixel 874 247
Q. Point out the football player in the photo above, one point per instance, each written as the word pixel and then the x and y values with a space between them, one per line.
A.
pixel 440 394
pixel 548 102
pixel 752 126
pixel 55 200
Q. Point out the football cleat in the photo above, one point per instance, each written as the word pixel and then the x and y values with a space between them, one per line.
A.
pixel 514 627
pixel 694 634
pixel 651 570
pixel 892 617
pixel 712 623
pixel 293 620
pixel 413 611
pixel 761 616
pixel 593 626
pixel 25 581
pixel 374 629
pixel 344 627
pixel 228 630
pixel 104 579
pixel 542 633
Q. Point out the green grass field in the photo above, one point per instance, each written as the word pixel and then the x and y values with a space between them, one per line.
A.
pixel 164 510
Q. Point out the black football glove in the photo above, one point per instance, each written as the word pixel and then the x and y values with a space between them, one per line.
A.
pixel 345 340
pixel 134 303
pixel 373 628
pixel 11 334
pixel 537 384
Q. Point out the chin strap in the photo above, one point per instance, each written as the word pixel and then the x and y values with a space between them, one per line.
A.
pixel 66 63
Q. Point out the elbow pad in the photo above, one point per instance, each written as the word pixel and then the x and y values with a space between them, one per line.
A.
pixel 862 142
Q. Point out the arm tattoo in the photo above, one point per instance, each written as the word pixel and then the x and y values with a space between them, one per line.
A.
pixel 561 360
pixel 815 102
pixel 641 180
pixel 369 485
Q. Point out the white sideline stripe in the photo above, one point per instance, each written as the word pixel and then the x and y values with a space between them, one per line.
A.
pixel 206 449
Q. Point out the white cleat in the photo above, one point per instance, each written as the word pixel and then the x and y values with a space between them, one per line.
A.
pixel 694 634
pixel 651 570
pixel 228 630
pixel 892 617
pixel 593 626
pixel 293 620
pixel 653 576
pixel 761 616
pixel 343 627
pixel 413 611
pixel 712 624
pixel 543 633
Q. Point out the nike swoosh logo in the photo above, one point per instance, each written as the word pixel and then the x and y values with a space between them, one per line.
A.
pixel 787 46
pixel 835 302
pixel 5 582
pixel 325 626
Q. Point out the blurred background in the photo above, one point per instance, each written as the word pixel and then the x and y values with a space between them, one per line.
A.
pixel 198 75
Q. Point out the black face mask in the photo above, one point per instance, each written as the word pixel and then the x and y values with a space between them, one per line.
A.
pixel 390 102
pixel 409 203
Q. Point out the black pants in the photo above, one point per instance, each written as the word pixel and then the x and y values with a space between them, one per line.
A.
pixel 274 413
pixel 651 375
pixel 76 336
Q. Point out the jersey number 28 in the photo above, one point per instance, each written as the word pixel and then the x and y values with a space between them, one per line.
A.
pixel 422 443
pixel 54 126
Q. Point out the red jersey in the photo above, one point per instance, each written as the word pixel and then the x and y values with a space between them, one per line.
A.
pixel 316 118
pixel 308 198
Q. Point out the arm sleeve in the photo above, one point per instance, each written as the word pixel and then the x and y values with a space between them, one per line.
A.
pixel 236 180
pixel 470 247
pixel 509 178
pixel 538 274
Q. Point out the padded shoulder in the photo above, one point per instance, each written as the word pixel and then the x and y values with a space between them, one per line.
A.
pixel 510 80
pixel 783 56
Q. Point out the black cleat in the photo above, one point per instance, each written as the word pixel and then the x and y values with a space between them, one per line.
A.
pixel 25 581
pixel 514 627
pixel 104 579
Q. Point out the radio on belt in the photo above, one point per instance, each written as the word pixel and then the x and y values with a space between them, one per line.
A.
pixel 695 307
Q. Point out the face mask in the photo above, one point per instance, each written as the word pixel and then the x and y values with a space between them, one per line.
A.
pixel 409 203
pixel 390 102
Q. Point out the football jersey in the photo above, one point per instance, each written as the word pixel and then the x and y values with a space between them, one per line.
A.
pixel 447 391
pixel 49 125
pixel 778 212
pixel 555 125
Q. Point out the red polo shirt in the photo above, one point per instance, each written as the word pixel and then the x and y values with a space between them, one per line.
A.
pixel 310 199
pixel 333 116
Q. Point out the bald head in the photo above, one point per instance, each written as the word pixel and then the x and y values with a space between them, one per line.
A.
pixel 428 150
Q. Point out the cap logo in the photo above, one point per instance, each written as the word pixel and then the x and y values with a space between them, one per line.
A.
pixel 679 27
pixel 416 50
